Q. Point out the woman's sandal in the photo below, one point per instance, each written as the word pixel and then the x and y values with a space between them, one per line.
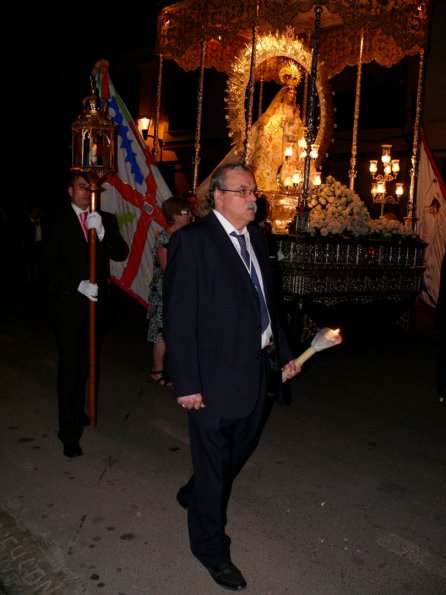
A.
pixel 164 378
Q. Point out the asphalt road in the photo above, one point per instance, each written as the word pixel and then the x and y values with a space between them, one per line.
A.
pixel 345 495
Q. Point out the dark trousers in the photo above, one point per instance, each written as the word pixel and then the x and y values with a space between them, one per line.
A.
pixel 71 326
pixel 220 447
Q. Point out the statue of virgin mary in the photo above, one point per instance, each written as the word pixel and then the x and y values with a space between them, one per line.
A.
pixel 278 130
pixel 274 137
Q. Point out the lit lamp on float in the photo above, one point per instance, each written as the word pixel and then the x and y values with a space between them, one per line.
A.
pixel 290 175
pixel 313 154
pixel 391 168
pixel 284 176
pixel 302 217
pixel 290 181
pixel 93 154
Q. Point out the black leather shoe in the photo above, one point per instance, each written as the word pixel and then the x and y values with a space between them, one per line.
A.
pixel 228 576
pixel 72 449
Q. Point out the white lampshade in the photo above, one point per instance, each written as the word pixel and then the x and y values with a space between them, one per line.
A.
pixel 381 188
pixel 314 151
pixel 317 179
pixel 373 166
pixel 386 157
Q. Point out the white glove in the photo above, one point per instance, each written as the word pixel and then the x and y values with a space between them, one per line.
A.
pixel 90 290
pixel 94 220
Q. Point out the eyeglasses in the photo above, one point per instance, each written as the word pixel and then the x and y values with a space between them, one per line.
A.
pixel 245 192
pixel 185 213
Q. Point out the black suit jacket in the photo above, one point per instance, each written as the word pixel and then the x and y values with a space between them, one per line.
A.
pixel 65 259
pixel 212 321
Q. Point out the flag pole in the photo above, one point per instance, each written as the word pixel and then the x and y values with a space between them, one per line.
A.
pixel 95 187
pixel 93 155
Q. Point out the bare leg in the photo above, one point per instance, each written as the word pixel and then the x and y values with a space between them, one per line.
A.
pixel 158 374
pixel 158 353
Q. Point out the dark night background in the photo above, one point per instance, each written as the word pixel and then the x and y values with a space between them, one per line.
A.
pixel 50 79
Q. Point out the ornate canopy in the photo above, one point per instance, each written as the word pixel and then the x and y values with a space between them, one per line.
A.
pixel 392 29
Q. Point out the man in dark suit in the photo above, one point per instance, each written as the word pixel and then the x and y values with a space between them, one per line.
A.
pixel 225 348
pixel 65 263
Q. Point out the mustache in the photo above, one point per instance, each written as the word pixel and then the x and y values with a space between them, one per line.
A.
pixel 251 205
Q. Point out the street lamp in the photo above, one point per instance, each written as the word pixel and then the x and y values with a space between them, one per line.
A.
pixel 145 124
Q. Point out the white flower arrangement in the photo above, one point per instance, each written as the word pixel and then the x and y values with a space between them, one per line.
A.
pixel 337 210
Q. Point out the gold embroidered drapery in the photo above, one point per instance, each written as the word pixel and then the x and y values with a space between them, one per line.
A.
pixel 392 29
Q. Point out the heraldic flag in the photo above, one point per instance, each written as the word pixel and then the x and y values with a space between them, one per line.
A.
pixel 431 215
pixel 134 194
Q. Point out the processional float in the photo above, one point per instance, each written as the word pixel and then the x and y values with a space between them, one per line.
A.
pixel 253 42
pixel 335 35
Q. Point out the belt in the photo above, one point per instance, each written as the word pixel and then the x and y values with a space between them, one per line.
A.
pixel 269 347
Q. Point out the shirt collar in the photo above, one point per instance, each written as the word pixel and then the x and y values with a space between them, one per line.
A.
pixel 228 227
pixel 78 210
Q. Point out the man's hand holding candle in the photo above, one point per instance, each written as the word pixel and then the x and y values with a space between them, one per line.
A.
pixel 323 339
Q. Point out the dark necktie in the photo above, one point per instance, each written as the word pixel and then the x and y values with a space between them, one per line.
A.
pixel 246 257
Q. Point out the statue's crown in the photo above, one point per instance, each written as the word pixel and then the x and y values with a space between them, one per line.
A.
pixel 290 74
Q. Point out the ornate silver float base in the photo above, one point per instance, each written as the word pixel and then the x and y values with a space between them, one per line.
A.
pixel 333 272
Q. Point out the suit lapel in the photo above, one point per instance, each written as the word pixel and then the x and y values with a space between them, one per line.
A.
pixel 228 254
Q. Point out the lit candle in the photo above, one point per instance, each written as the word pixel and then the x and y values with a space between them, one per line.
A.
pixel 332 334
pixel 373 167
pixel 323 339
pixel 296 178
pixel 288 151
pixel 399 191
